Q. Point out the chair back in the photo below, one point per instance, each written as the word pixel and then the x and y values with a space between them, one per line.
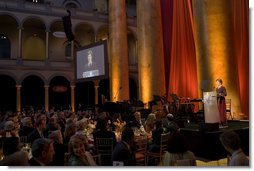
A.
pixel 163 148
pixel 141 148
pixel 228 109
pixel 164 143
pixel 104 147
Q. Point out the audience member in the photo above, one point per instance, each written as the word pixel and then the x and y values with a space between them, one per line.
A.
pixel 27 127
pixel 10 130
pixel 231 142
pixel 59 148
pixel 78 154
pixel 178 153
pixel 118 123
pixel 169 124
pixel 42 152
pixel 70 130
pixel 39 131
pixel 18 158
pixel 156 137
pixel 149 123
pixel 123 151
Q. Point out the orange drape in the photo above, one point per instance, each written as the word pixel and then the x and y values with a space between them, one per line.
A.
pixel 182 55
pixel 240 13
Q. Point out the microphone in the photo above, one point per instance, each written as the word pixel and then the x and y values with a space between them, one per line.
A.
pixel 117 92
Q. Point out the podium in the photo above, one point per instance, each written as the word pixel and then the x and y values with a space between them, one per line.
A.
pixel 211 111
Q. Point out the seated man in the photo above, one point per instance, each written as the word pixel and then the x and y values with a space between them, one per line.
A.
pixel 123 151
pixel 231 142
pixel 42 152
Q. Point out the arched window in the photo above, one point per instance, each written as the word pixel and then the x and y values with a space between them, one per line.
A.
pixel 69 4
pixel 5 47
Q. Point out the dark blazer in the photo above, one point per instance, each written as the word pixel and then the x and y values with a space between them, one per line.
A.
pixel 58 159
pixel 25 131
pixel 123 154
pixel 34 135
pixel 33 162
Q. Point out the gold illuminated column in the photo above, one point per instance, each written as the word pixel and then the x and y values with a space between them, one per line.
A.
pixel 201 44
pixel 96 87
pixel 73 98
pixel 214 47
pixel 46 91
pixel 118 51
pixel 18 96
pixel 150 50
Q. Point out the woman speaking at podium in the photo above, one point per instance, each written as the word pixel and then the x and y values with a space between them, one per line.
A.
pixel 221 93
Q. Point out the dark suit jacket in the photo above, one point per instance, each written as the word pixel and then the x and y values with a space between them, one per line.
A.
pixel 33 162
pixel 123 154
pixel 34 135
pixel 25 131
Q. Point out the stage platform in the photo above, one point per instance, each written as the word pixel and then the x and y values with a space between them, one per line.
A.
pixel 205 144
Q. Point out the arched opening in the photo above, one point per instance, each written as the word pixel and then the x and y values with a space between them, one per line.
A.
pixel 32 93
pixel 85 95
pixel 8 93
pixel 34 38
pixel 5 47
pixel 8 37
pixel 59 93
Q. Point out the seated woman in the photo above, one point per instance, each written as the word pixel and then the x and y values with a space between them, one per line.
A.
pixel 78 154
pixel 178 154
pixel 149 123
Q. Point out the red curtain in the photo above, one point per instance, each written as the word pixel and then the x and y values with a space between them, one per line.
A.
pixel 179 48
pixel 240 13
pixel 167 17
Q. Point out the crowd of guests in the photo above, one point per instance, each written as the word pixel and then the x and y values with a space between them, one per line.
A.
pixel 65 138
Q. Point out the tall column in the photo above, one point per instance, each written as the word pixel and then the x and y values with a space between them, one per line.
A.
pixel 73 98
pixel 47 44
pixel 96 87
pixel 150 50
pixel 214 46
pixel 18 98
pixel 20 43
pixel 46 91
pixel 118 45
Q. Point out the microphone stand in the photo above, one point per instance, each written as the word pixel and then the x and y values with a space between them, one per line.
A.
pixel 117 92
